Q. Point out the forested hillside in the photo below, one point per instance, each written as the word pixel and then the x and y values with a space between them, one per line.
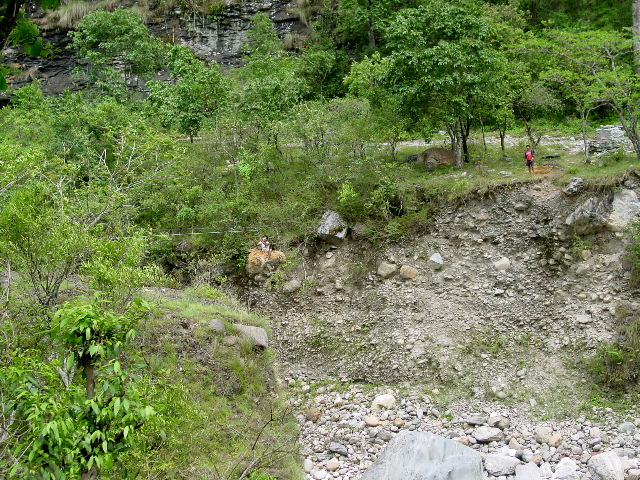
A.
pixel 158 169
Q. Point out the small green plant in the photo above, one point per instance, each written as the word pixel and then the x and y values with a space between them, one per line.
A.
pixel 207 291
pixel 615 365
pixel 578 246
pixel 633 255
pixel 260 475
pixel 571 170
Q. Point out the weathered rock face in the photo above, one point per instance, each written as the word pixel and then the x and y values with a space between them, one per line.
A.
pixel 218 38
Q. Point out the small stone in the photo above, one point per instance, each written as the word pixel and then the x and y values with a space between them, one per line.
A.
pixel 333 464
pixel 500 464
pixel 313 414
pixel 338 448
pixel 217 325
pixel 385 270
pixel 486 434
pixel 371 421
pixel 408 273
pixel 231 340
pixel 436 261
pixel 542 434
pixel 308 465
pixel 555 440
pixel 319 474
pixel 503 264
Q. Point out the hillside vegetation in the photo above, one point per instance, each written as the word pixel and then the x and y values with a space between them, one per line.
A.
pixel 112 197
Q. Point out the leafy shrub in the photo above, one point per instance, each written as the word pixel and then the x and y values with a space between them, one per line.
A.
pixel 615 365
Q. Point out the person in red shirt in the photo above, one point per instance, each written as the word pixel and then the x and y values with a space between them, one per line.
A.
pixel 528 158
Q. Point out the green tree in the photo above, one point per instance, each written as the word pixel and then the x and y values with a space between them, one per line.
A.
pixel 269 82
pixel 365 80
pixel 363 22
pixel 60 428
pixel 42 241
pixel 119 49
pixel 603 62
pixel 195 92
pixel 443 65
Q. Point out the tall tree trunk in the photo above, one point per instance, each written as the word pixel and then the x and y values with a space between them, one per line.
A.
pixel 456 140
pixel 635 10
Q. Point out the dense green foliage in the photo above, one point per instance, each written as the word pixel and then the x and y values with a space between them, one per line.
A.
pixel 136 182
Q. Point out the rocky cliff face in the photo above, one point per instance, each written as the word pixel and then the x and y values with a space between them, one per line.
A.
pixel 500 298
pixel 217 38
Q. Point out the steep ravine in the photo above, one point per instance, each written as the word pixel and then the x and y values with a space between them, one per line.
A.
pixel 475 332
pixel 518 299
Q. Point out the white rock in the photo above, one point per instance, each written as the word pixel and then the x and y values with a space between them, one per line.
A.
pixel 436 261
pixel 383 401
pixel 528 471
pixel 567 469
pixel 333 464
pixel 502 264
pixel 308 465
pixel 606 466
pixel 497 464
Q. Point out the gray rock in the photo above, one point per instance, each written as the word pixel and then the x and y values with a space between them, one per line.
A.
pixel 591 216
pixel 424 456
pixel 436 261
pixel 257 334
pixel 333 228
pixel 292 285
pixel 476 420
pixel 606 466
pixel 627 427
pixel 486 434
pixel 575 186
pixel 625 210
pixel 384 435
pixel 608 138
pixel 217 325
pixel 499 421
pixel 497 464
pixel 335 447
pixel 385 270
pixel 528 471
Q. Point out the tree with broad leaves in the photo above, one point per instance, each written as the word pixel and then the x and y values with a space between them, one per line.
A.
pixel 56 427
pixel 443 65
